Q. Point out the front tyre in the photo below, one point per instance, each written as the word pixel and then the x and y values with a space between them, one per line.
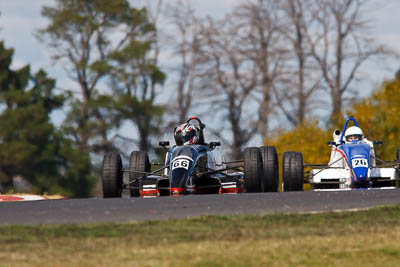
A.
pixel 398 167
pixel 138 164
pixel 253 170
pixel 271 169
pixel 112 175
pixel 292 171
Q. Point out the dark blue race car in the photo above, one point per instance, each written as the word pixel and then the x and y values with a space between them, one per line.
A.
pixel 192 169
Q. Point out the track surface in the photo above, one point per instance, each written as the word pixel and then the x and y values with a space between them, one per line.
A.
pixel 69 211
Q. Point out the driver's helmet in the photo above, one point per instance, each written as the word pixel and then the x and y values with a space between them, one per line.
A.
pixel 353 133
pixel 186 134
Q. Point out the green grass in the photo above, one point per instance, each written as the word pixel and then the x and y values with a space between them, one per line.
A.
pixel 364 238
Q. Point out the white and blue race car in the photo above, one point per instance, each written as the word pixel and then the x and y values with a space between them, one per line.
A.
pixel 352 165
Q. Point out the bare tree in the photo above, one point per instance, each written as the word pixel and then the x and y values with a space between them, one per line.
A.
pixel 300 84
pixel 262 44
pixel 234 64
pixel 233 76
pixel 186 63
pixel 341 44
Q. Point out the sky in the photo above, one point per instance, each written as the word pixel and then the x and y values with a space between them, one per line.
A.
pixel 20 18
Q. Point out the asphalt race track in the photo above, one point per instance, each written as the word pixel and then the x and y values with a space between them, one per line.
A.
pixel 67 211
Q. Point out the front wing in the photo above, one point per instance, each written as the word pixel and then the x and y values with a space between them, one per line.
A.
pixel 340 178
pixel 155 185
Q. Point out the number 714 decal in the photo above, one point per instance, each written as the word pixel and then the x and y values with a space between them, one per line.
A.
pixel 359 163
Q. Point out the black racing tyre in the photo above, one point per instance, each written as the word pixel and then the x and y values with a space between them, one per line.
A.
pixel 139 162
pixel 271 169
pixel 292 171
pixel 398 154
pixel 398 167
pixel 112 175
pixel 253 170
pixel 286 170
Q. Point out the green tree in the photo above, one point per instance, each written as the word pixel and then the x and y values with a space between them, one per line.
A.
pixel 135 77
pixel 30 146
pixel 89 37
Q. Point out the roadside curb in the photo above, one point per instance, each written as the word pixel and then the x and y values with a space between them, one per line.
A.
pixel 9 198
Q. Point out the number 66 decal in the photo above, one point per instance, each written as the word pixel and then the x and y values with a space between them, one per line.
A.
pixel 180 163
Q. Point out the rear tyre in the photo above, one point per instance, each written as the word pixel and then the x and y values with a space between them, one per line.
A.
pixel 397 183
pixel 398 155
pixel 271 169
pixel 292 171
pixel 138 164
pixel 253 170
pixel 112 175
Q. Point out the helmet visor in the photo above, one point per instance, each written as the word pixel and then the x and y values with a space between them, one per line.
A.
pixel 187 135
pixel 353 137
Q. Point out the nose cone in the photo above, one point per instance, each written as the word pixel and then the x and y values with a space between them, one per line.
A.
pixel 361 174
pixel 178 178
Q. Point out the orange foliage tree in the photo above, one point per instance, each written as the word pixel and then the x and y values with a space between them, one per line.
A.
pixel 379 117
pixel 308 138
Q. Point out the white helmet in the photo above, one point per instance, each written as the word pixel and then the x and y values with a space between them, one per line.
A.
pixel 353 133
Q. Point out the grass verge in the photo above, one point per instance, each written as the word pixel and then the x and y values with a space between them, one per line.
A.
pixel 364 238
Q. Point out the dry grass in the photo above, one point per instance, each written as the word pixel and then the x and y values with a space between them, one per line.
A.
pixel 367 238
pixel 53 196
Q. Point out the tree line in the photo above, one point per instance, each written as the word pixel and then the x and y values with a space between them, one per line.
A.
pixel 265 65
pixel 269 64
